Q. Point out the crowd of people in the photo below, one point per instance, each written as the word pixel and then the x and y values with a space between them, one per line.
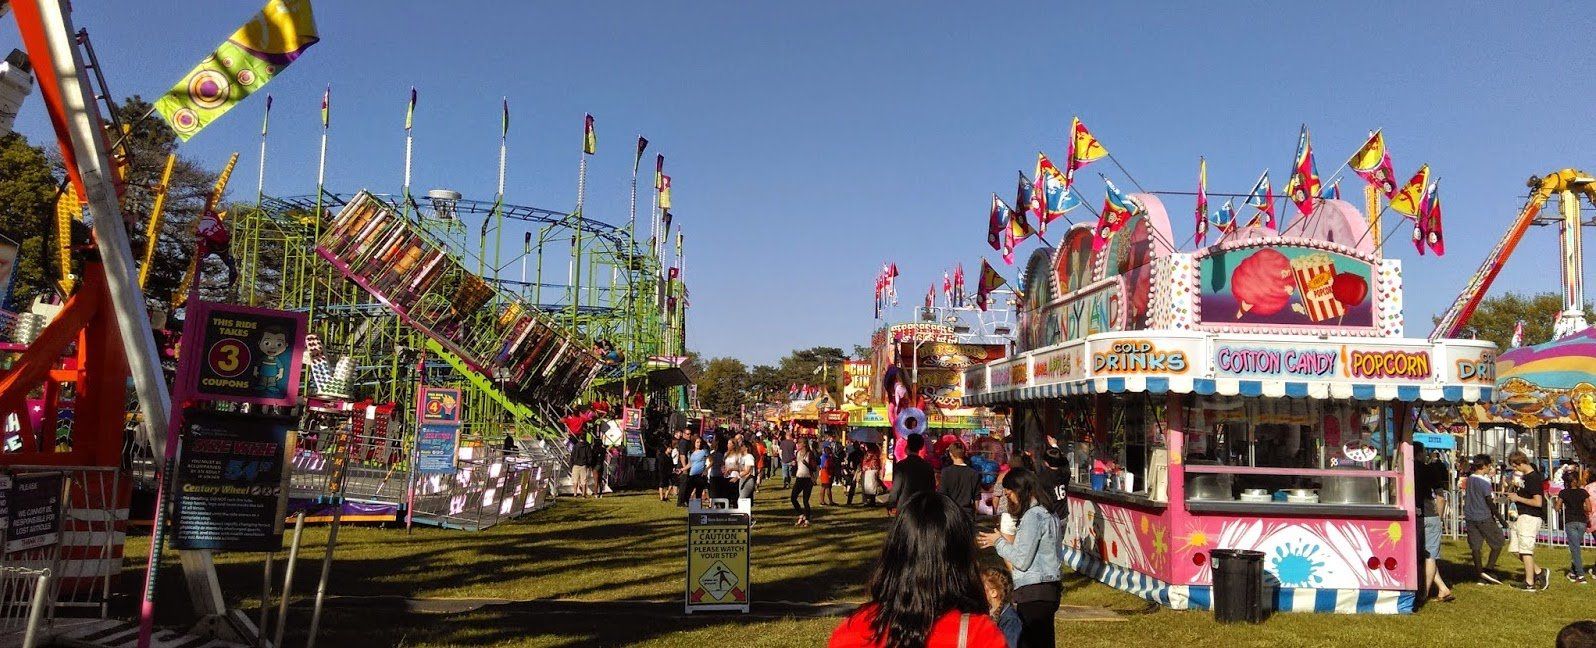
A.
pixel 1529 498
pixel 730 464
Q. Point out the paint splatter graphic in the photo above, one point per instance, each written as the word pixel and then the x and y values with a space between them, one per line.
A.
pixel 1295 565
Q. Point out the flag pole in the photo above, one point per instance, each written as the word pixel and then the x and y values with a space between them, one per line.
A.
pixel 497 215
pixel 321 180
pixel 631 322
pixel 260 180
pixel 576 240
pixel 410 113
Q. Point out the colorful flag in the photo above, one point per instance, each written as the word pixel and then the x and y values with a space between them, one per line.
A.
pixel 1372 162
pixel 659 171
pixel 1225 218
pixel 947 287
pixel 1117 210
pixel 1427 229
pixel 267 118
pixel 242 64
pixel 665 221
pixel 995 222
pixel 1025 197
pixel 1410 197
pixel 1262 197
pixel 1085 148
pixel 1304 184
pixel 1054 189
pixel 1019 227
pixel 1008 244
pixel 665 192
pixel 674 273
pixel 958 285
pixel 642 144
pixel 504 120
pixel 589 138
pixel 930 296
pixel 410 109
pixel 1518 335
pixel 1202 202
pixel 1331 192
pixel 326 107
pixel 990 281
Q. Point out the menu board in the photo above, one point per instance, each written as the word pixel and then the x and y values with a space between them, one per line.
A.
pixel 32 506
pixel 232 482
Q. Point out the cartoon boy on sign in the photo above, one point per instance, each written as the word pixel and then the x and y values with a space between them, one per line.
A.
pixel 271 371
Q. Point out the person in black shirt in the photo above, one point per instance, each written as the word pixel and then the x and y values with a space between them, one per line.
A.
pixel 911 475
pixel 854 464
pixel 1577 508
pixel 960 482
pixel 1054 478
pixel 1530 501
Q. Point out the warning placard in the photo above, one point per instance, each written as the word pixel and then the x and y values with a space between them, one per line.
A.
pixel 717 560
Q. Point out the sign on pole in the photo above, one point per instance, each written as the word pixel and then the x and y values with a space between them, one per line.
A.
pixel 232 482
pixel 32 511
pixel 717 560
pixel 244 354
pixel 438 411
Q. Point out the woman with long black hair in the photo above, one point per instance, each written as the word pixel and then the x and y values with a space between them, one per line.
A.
pixel 926 591
pixel 804 471
pixel 1032 553
pixel 720 486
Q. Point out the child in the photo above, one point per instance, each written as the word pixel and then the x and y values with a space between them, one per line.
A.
pixel 828 469
pixel 999 587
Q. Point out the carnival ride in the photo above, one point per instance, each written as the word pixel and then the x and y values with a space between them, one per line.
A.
pixel 1551 384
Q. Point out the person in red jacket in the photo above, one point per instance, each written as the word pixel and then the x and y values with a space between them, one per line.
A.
pixel 926 591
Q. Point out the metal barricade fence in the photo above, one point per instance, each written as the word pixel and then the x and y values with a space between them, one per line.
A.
pixel 24 599
pixel 90 537
pixel 490 486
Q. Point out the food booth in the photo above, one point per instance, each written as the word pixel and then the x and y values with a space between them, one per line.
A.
pixel 1255 394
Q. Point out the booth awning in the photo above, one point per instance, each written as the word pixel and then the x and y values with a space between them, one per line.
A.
pixel 1273 366
pixel 1233 387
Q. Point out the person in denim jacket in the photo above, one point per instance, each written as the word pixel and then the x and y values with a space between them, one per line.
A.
pixel 1033 555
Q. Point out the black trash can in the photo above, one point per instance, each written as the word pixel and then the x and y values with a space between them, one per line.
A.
pixel 1238 585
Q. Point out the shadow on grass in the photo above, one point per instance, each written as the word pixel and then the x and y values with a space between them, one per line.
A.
pixel 592 552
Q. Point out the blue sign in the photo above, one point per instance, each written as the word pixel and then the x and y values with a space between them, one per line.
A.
pixel 1436 441
pixel 435 449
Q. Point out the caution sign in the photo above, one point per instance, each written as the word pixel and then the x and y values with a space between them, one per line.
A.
pixel 717 560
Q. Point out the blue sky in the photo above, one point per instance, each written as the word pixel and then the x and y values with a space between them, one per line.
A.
pixel 811 141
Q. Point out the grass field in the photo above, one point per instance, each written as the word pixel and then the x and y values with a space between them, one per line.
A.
pixel 609 573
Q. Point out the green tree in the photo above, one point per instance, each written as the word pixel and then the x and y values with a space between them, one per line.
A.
pixel 722 388
pixel 29 176
pixel 765 384
pixel 1496 316
pixel 149 142
pixel 27 187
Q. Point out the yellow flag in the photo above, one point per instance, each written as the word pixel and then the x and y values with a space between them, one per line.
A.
pixel 1411 195
pixel 242 64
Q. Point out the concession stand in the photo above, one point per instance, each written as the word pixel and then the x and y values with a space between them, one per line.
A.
pixel 1255 394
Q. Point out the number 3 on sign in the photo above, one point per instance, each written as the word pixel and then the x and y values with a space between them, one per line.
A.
pixel 229 357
